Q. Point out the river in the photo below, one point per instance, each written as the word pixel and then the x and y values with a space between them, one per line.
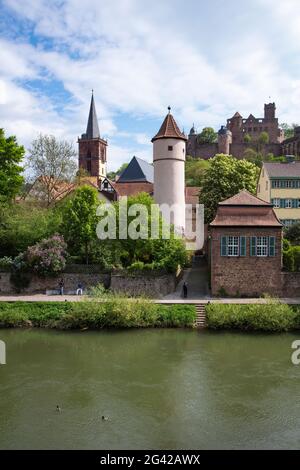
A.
pixel 161 389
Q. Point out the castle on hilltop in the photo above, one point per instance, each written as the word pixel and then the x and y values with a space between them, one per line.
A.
pixel 232 138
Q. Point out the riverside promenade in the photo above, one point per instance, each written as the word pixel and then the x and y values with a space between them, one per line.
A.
pixel 170 301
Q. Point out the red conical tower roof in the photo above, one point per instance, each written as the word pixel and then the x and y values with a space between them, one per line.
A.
pixel 169 129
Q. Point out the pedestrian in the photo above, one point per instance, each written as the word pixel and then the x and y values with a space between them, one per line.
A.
pixel 185 290
pixel 79 289
pixel 61 286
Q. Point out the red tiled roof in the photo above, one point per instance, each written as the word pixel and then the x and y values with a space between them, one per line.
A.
pixel 244 198
pixel 245 210
pixel 169 129
pixel 245 217
pixel 192 195
pixel 283 170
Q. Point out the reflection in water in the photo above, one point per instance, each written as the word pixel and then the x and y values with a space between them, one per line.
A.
pixel 164 389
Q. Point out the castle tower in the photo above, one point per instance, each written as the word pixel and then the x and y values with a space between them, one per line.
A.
pixel 270 110
pixel 92 149
pixel 235 125
pixel 224 140
pixel 169 164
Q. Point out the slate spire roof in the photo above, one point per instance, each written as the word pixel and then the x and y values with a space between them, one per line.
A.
pixel 138 170
pixel 92 130
pixel 169 129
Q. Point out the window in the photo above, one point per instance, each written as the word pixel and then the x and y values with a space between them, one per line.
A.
pixel 262 246
pixel 288 203
pixel 89 166
pixel 233 246
pixel 298 203
pixel 258 189
pixel 276 202
pixel 170 148
pixel 267 185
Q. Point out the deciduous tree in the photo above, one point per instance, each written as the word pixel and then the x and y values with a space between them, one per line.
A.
pixel 11 155
pixel 225 177
pixel 52 165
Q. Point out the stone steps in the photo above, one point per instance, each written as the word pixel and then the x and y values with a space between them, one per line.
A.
pixel 201 317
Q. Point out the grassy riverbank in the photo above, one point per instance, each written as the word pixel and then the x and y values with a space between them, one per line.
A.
pixel 272 316
pixel 113 313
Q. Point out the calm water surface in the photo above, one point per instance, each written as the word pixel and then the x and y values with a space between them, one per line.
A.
pixel 162 389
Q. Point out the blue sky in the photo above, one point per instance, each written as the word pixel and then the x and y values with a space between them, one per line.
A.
pixel 204 59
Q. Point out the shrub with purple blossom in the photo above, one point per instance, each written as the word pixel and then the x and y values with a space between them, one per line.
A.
pixel 47 257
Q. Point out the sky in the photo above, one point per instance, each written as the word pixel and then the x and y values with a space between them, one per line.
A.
pixel 206 59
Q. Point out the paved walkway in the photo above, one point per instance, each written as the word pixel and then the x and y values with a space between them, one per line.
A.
pixel 200 300
pixel 196 278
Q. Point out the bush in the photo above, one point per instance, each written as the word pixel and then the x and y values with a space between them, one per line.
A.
pixel 48 257
pixel 111 312
pixel 288 260
pixel 6 263
pixel 272 316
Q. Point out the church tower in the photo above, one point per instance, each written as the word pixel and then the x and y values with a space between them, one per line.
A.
pixel 169 148
pixel 92 149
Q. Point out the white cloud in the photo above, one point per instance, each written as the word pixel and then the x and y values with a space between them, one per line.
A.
pixel 139 59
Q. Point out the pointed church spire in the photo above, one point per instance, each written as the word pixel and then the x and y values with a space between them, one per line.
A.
pixel 92 130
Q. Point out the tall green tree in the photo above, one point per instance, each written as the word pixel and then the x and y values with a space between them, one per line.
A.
pixel 225 177
pixel 194 171
pixel 11 155
pixel 80 220
pixel 207 136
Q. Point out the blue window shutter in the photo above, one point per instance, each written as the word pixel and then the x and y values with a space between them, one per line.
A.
pixel 294 203
pixel 242 246
pixel 272 242
pixel 272 202
pixel 282 203
pixel 223 246
pixel 253 246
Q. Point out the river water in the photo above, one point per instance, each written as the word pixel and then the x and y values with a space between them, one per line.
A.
pixel 161 389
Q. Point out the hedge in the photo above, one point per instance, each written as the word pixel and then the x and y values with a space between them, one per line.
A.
pixel 113 313
pixel 272 316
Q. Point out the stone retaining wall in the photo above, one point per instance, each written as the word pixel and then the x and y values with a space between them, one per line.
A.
pixel 40 285
pixel 290 284
pixel 149 285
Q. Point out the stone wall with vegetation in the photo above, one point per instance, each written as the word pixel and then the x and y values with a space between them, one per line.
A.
pixel 290 284
pixel 150 285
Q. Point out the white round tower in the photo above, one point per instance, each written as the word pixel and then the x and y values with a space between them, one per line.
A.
pixel 169 147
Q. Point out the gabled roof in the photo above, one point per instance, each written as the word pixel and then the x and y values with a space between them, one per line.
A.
pixel 283 170
pixel 92 130
pixel 138 170
pixel 245 210
pixel 236 115
pixel 251 117
pixel 169 129
pixel 244 198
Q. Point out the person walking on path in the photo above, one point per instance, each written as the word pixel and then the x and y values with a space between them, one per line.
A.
pixel 61 286
pixel 185 290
